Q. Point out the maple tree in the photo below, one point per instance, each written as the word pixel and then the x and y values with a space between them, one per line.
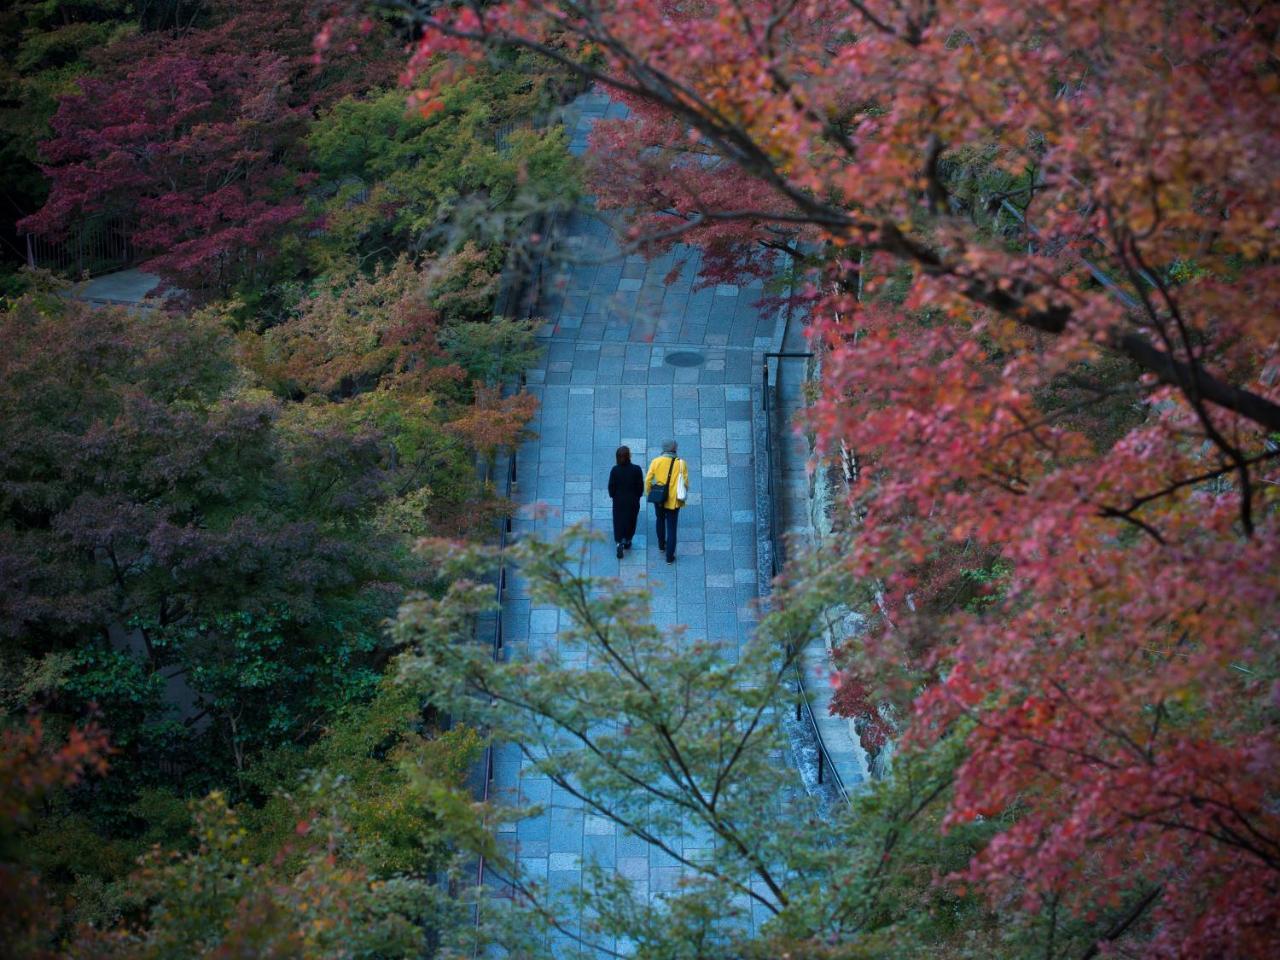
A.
pixel 192 147
pixel 207 565
pixel 341 850
pixel 195 136
pixel 247 541
pixel 675 742
pixel 459 183
pixel 30 768
pixel 239 162
pixel 356 334
pixel 311 897
pixel 206 517
pixel 156 519
pixel 45 47
pixel 1042 236
pixel 380 352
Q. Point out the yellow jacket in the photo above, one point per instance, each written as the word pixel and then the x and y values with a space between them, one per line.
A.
pixel 661 469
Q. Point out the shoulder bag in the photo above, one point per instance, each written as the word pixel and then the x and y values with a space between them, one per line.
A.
pixel 658 491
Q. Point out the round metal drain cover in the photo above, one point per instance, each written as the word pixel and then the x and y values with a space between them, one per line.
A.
pixel 685 358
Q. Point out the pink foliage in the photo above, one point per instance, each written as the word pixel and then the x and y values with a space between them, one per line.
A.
pixel 196 138
pixel 192 147
pixel 1117 697
pixel 647 167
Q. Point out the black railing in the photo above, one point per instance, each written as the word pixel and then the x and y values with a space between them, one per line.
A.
pixel 97 244
pixel 803 708
pixel 768 446
pixel 505 528
pixel 519 299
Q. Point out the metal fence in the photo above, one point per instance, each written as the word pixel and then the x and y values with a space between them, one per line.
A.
pixel 803 710
pixel 518 299
pixel 97 244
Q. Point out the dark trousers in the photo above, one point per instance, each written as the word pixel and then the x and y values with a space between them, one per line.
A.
pixel 667 521
pixel 625 514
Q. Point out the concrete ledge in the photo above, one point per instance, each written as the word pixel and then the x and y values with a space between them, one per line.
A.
pixel 124 288
pixel 804 744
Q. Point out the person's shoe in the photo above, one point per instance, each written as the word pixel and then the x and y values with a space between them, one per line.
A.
pixel 619 551
pixel 626 544
pixel 662 548
pixel 671 559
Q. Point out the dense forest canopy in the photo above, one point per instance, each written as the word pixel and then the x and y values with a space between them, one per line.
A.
pixel 243 532
pixel 208 505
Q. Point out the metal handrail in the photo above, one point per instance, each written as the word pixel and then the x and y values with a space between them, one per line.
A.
pixel 802 700
pixel 521 300
pixel 96 244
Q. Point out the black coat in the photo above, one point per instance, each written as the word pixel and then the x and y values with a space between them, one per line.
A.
pixel 626 488
pixel 626 483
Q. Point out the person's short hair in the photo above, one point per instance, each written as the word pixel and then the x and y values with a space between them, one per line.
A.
pixel 669 446
pixel 623 455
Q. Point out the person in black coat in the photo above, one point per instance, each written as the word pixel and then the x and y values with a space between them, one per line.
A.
pixel 626 488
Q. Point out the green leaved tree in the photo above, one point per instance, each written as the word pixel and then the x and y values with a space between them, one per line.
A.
pixel 679 743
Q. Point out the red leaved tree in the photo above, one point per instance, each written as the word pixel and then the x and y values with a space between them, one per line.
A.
pixel 650 168
pixel 30 768
pixel 1074 369
pixel 192 148
pixel 195 137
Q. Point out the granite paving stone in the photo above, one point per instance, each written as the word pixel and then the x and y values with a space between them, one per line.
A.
pixel 604 379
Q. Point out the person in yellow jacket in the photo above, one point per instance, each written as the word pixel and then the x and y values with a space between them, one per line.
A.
pixel 672 472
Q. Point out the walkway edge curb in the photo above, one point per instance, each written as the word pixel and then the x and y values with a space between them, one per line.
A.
pixel 800 735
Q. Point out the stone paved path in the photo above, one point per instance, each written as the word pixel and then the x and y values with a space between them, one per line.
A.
pixel 125 287
pixel 610 328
